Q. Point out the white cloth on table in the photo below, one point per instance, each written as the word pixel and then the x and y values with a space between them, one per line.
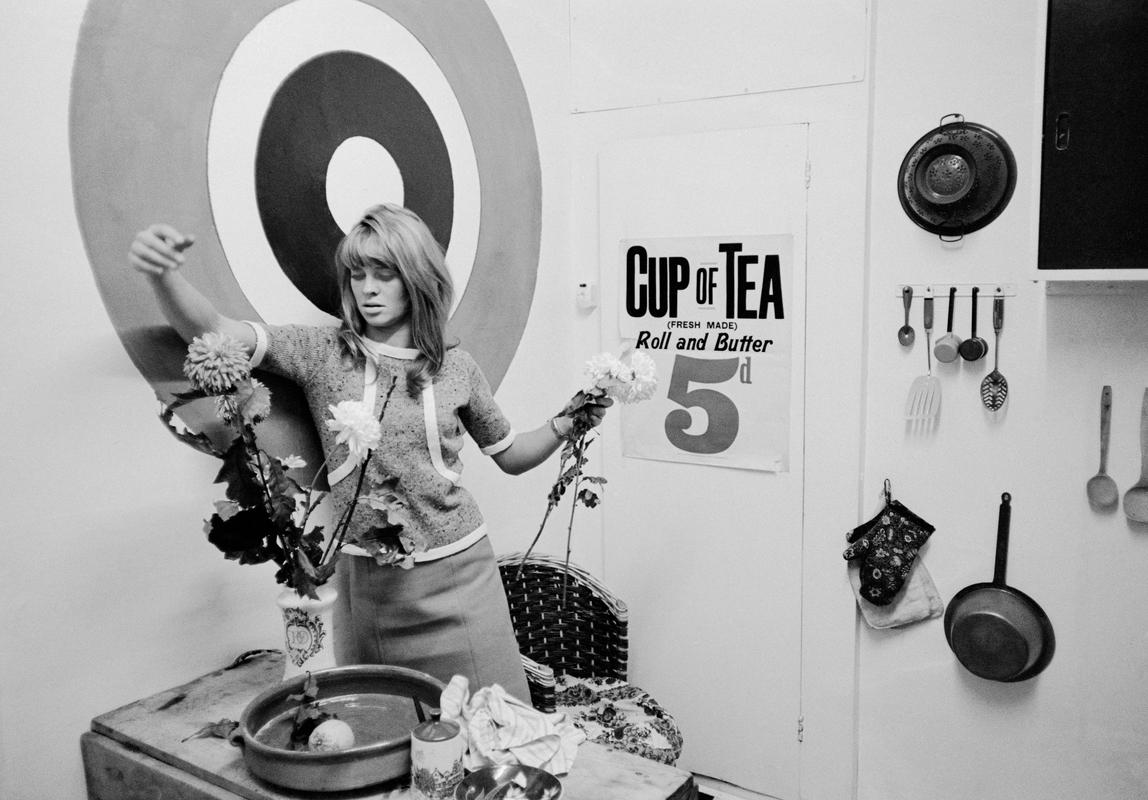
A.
pixel 501 729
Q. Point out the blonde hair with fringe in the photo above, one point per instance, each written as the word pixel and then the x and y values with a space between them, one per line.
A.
pixel 389 235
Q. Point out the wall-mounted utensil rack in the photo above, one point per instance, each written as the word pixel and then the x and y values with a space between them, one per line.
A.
pixel 963 289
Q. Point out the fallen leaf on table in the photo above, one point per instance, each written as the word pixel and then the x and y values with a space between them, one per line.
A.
pixel 221 730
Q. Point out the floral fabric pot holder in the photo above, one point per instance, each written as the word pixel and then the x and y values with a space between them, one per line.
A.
pixel 891 583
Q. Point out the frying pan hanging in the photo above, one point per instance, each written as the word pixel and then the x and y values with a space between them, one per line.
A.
pixel 997 632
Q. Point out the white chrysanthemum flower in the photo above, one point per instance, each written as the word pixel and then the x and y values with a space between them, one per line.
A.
pixel 216 363
pixel 602 367
pixel 626 382
pixel 644 382
pixel 355 425
pixel 292 462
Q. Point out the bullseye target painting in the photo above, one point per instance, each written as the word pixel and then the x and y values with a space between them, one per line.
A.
pixel 265 128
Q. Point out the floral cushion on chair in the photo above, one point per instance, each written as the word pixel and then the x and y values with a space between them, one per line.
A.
pixel 618 714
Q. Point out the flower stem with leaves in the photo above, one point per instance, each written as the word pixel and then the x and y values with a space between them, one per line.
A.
pixel 628 380
pixel 266 513
pixel 572 474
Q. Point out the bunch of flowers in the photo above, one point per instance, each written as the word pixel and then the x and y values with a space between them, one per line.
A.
pixel 266 515
pixel 627 379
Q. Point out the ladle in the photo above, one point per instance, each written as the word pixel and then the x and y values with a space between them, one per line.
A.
pixel 947 345
pixel 1136 498
pixel 1101 489
pixel 906 334
pixel 974 348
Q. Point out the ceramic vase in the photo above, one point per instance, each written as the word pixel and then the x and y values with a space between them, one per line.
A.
pixel 308 636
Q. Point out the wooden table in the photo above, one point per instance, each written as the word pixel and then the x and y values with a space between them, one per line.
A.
pixel 138 751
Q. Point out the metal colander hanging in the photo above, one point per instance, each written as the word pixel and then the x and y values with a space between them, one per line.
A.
pixel 957 178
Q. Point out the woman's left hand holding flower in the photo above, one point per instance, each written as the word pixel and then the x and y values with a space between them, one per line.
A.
pixel 582 413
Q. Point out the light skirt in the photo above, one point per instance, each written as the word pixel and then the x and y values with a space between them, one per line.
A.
pixel 445 617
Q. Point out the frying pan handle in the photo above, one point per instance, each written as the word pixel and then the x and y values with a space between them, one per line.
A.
pixel 1003 520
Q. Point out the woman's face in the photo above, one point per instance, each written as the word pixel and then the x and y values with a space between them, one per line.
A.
pixel 381 298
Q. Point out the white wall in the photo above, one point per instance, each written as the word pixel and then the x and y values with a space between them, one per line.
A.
pixel 929 728
pixel 114 593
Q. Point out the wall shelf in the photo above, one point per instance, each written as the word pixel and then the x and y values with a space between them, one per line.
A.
pixel 1123 286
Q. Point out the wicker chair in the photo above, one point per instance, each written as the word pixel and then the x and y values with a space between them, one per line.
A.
pixel 576 656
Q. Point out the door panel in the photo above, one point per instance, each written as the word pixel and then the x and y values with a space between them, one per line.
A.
pixel 709 558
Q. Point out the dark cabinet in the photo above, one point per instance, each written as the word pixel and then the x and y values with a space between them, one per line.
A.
pixel 1094 145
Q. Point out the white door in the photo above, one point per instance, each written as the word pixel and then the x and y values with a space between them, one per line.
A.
pixel 708 557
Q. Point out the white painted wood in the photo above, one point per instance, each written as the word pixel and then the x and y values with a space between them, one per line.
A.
pixel 645 52
pixel 709 559
pixel 835 367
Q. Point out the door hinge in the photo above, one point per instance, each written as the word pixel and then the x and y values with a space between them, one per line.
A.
pixel 801 729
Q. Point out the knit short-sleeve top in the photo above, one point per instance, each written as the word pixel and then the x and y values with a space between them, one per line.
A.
pixel 421 436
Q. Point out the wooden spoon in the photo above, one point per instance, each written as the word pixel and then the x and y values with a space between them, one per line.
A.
pixel 1101 489
pixel 1136 498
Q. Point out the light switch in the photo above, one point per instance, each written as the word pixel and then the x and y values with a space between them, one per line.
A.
pixel 587 295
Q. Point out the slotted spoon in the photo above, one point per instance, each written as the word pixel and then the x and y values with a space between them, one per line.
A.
pixel 924 400
pixel 994 388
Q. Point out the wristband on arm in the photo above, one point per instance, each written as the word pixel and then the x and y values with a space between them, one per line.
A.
pixel 562 437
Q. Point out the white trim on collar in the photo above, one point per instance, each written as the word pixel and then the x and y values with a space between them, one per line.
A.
pixel 381 349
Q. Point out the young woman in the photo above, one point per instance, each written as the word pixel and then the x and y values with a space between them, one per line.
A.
pixel 448 615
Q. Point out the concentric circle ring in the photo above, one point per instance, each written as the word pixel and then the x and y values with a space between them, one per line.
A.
pixel 143 87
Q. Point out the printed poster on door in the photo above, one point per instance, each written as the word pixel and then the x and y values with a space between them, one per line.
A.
pixel 714 314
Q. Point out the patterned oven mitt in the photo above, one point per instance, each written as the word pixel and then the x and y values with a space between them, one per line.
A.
pixel 887 546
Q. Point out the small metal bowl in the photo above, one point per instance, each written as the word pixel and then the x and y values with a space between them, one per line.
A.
pixel 535 783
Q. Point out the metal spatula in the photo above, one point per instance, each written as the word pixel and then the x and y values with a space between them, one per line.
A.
pixel 924 400
pixel 994 388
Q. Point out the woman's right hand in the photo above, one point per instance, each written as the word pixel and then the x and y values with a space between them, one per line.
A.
pixel 158 249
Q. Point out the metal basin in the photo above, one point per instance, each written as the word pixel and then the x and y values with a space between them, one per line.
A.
pixel 508 780
pixel 381 703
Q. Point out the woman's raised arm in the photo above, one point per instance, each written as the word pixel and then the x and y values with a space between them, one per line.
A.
pixel 158 253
